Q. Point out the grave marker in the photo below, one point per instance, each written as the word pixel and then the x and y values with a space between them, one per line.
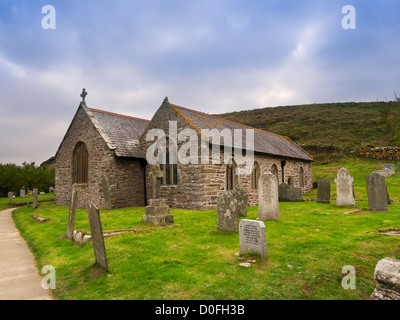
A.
pixel 71 216
pixel 378 196
pixel 268 197
pixel 253 238
pixel 345 190
pixel 106 193
pixel 11 197
pixel 227 212
pixel 35 198
pixel 324 191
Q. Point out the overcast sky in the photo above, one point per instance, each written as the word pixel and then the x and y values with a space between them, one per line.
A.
pixel 214 56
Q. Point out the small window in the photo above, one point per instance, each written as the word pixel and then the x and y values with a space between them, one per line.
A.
pixel 274 170
pixel 301 177
pixel 80 164
pixel 169 166
pixel 255 176
pixel 231 177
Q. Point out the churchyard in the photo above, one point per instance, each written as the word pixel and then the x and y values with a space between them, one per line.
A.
pixel 191 259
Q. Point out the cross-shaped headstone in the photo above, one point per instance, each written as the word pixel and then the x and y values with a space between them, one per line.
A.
pixel 156 176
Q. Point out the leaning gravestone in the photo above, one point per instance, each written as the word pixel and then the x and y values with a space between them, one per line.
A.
pixel 268 197
pixel 241 196
pixel 11 198
pixel 35 198
pixel 227 212
pixel 377 192
pixel 22 192
pixel 324 191
pixel 344 187
pixel 97 236
pixel 253 238
pixel 71 216
pixel 289 193
pixel 106 193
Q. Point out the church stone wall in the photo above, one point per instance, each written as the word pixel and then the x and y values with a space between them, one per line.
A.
pixel 125 176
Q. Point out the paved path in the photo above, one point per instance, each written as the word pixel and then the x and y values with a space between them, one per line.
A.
pixel 19 277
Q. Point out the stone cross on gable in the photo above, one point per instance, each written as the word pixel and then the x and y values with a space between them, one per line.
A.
pixel 156 175
pixel 83 95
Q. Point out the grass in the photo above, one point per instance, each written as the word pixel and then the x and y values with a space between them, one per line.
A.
pixel 191 259
pixel 21 201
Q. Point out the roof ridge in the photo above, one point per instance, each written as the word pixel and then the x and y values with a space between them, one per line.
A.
pixel 118 115
pixel 223 119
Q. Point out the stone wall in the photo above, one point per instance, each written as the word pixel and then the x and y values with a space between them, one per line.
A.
pixel 125 176
pixel 383 153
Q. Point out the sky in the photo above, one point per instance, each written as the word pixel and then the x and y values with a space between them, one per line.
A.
pixel 214 56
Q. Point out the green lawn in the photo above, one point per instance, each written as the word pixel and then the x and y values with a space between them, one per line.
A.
pixel 307 249
pixel 20 201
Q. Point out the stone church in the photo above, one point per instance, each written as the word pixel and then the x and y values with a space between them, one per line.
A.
pixel 101 144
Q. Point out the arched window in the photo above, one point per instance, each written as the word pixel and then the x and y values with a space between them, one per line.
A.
pixel 255 176
pixel 274 170
pixel 290 181
pixel 80 163
pixel 231 177
pixel 301 177
pixel 168 164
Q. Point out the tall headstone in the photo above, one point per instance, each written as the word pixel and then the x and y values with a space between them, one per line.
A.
pixel 324 191
pixel 34 198
pixel 11 198
pixel 106 193
pixel 241 196
pixel 268 197
pixel 377 192
pixel 344 187
pixel 71 216
pixel 22 192
pixel 96 231
pixel 227 212
pixel 289 193
pixel 253 238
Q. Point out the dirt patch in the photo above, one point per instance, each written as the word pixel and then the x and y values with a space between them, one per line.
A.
pixel 333 169
pixel 390 232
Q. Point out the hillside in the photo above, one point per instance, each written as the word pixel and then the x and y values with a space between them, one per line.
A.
pixel 328 128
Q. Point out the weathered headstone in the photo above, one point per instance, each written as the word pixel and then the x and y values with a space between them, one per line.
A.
pixel 253 238
pixel 377 192
pixel 344 187
pixel 106 193
pixel 324 191
pixel 71 216
pixel 388 167
pixel 96 231
pixel 157 213
pixel 11 198
pixel 22 192
pixel 241 196
pixel 387 274
pixel 268 197
pixel 35 198
pixel 51 189
pixel 289 193
pixel 227 212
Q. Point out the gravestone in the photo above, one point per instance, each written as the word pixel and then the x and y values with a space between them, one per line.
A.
pixel 289 193
pixel 51 189
pixel 324 191
pixel 96 231
pixel 268 197
pixel 377 192
pixel 227 212
pixel 22 192
pixel 388 167
pixel 241 196
pixel 106 193
pixel 253 238
pixel 344 187
pixel 34 198
pixel 157 213
pixel 11 198
pixel 71 216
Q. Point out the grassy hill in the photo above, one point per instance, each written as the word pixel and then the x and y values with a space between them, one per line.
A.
pixel 328 128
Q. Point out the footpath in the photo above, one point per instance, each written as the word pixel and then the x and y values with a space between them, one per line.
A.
pixel 19 277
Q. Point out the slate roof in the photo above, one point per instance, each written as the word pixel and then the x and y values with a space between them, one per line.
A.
pixel 120 132
pixel 264 142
